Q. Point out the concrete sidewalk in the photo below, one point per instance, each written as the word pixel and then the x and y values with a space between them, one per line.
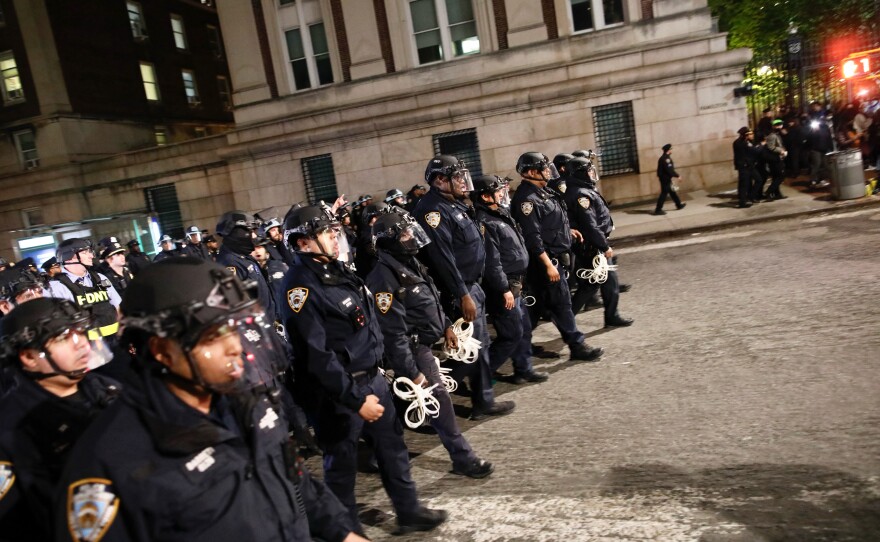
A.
pixel 708 210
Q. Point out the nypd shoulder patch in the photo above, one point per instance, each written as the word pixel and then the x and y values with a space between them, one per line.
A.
pixel 584 202
pixel 383 301
pixel 527 207
pixel 433 219
pixel 91 508
pixel 296 298
pixel 7 478
pixel 562 187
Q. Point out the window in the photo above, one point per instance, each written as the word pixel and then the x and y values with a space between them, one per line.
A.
pixel 462 144
pixel 189 87
pixel 595 14
pixel 26 143
pixel 32 217
pixel 200 131
pixel 286 2
pixel 320 179
pixel 443 29
pixel 616 138
pixel 309 60
pixel 162 200
pixel 224 92
pixel 161 134
pixel 151 87
pixel 178 31
pixel 12 91
pixel 136 20
pixel 215 44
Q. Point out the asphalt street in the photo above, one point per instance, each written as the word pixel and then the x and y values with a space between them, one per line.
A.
pixel 744 404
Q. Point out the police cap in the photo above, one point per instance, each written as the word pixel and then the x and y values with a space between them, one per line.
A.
pixel 109 246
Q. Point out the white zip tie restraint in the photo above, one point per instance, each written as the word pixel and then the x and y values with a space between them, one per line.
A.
pixel 448 382
pixel 468 348
pixel 422 401
pixel 599 273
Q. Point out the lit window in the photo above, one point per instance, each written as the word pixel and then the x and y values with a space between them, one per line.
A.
pixel 11 88
pixel 443 29
pixel 161 136
pixel 224 92
pixel 200 131
pixel 215 44
pixel 136 20
pixel 151 87
pixel 309 59
pixel 178 31
pixel 595 14
pixel 26 143
pixel 616 138
pixel 320 178
pixel 190 88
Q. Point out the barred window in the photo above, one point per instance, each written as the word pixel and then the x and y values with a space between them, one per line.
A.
pixel 462 144
pixel 162 201
pixel 616 138
pixel 320 179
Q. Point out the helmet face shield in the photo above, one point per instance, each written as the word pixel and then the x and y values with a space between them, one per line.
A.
pixel 554 173
pixel 238 353
pixel 412 236
pixel 461 181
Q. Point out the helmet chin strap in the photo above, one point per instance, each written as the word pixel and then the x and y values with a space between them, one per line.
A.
pixel 57 371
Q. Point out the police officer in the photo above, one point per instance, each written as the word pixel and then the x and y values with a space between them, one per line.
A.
pixel 235 255
pixel 169 248
pixel 414 195
pixel 44 345
pixel 409 313
pixel 507 261
pixel 51 267
pixel 365 253
pixel 395 197
pixel 745 160
pixel 197 448
pixel 80 283
pixel 194 246
pixel 135 258
pixel 666 172
pixel 548 238
pixel 212 245
pixel 456 258
pixel 590 215
pixel 17 286
pixel 337 344
pixel 277 250
pixel 113 263
pixel 273 270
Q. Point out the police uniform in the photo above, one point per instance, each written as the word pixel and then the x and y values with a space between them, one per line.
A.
pixel 590 215
pixel 118 281
pixel 196 250
pixel 409 313
pixel 246 268
pixel 137 261
pixel 153 468
pixel 456 258
pixel 338 349
pixel 666 172
pixel 274 273
pixel 545 228
pixel 166 254
pixel 94 290
pixel 507 261
pixel 37 431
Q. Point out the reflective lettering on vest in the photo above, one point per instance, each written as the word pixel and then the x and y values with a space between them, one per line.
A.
pixel 91 298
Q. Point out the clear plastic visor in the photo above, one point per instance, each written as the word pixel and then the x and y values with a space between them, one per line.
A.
pixel 413 237
pixel 75 349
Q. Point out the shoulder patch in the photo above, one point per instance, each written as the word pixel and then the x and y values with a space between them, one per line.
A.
pixel 527 207
pixel 433 219
pixel 584 202
pixel 296 298
pixel 232 270
pixel 562 187
pixel 482 229
pixel 7 478
pixel 383 301
pixel 91 509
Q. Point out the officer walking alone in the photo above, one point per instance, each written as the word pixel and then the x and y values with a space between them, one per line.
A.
pixel 666 172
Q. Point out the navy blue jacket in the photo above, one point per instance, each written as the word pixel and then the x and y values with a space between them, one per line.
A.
pixel 666 168
pixel 177 474
pixel 407 306
pixel 246 268
pixel 332 327
pixel 455 257
pixel 589 214
pixel 37 432
pixel 543 221
pixel 197 250
pixel 506 252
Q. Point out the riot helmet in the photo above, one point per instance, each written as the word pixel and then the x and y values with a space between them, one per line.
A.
pixel 228 342
pixel 398 233
pixel 71 252
pixel 18 285
pixel 373 210
pixel 231 220
pixel 454 171
pixel 193 235
pixel 538 162
pixel 310 221
pixel 582 170
pixel 57 331
pixel 489 185
pixel 395 197
pixel 560 160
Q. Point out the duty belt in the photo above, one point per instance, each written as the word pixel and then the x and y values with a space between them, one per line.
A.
pixel 361 376
pixel 103 331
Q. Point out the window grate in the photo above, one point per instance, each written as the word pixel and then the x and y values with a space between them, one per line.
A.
pixel 320 179
pixel 162 200
pixel 616 138
pixel 464 145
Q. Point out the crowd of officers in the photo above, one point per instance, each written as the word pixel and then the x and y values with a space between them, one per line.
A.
pixel 172 399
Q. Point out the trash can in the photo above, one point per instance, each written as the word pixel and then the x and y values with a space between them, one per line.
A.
pixel 847 176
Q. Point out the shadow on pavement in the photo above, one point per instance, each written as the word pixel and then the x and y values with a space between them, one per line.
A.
pixel 773 502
